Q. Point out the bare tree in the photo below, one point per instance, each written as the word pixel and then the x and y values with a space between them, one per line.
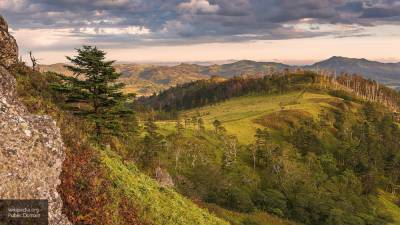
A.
pixel 34 60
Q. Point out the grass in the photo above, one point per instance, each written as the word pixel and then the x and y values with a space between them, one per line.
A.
pixel 280 119
pixel 239 115
pixel 388 202
pixel 156 204
pixel 236 218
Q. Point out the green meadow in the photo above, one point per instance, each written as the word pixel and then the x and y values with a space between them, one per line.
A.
pixel 241 116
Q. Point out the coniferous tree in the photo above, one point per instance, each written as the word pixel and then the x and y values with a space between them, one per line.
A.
pixel 154 143
pixel 201 124
pixel 94 93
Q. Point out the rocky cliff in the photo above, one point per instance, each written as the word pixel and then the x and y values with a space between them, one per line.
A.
pixel 8 46
pixel 31 147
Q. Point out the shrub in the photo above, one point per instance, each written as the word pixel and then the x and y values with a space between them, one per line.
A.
pixel 271 201
pixel 238 199
pixel 341 94
pixel 250 221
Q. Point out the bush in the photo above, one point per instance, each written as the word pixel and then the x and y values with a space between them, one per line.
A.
pixel 250 221
pixel 341 94
pixel 238 199
pixel 271 201
pixel 212 197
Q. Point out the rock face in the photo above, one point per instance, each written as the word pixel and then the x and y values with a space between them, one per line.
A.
pixel 31 148
pixel 8 46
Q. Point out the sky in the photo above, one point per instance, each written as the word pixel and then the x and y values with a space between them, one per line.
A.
pixel 289 31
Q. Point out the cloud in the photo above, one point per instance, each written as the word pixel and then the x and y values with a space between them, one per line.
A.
pixel 130 30
pixel 143 22
pixel 199 6
pixel 46 39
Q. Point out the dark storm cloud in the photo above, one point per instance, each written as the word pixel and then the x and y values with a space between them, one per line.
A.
pixel 381 12
pixel 183 21
pixel 77 13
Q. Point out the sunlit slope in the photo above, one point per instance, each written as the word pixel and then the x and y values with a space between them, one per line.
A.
pixel 389 203
pixel 98 185
pixel 155 203
pixel 243 115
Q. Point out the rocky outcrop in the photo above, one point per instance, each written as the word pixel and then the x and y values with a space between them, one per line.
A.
pixel 31 147
pixel 8 46
pixel 163 178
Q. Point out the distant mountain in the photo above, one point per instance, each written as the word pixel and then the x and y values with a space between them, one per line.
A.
pixel 244 67
pixel 386 73
pixel 56 68
pixel 145 79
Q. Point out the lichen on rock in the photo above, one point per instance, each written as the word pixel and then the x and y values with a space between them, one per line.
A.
pixel 8 46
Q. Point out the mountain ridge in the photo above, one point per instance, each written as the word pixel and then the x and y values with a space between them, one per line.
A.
pixel 382 72
pixel 146 79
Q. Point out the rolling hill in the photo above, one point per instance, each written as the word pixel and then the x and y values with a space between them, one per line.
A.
pixel 319 139
pixel 146 79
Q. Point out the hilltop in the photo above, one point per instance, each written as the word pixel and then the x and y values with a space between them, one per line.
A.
pixel 386 73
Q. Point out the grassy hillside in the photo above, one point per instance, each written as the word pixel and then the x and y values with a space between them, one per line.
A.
pixel 156 204
pixel 99 186
pixel 248 218
pixel 317 166
pixel 391 203
pixel 241 116
pixel 286 148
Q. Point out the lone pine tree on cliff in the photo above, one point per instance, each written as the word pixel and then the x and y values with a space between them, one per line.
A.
pixel 94 93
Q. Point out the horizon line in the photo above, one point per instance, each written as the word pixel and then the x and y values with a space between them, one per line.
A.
pixel 289 62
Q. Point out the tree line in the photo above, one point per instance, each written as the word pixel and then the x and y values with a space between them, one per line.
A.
pixel 204 92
